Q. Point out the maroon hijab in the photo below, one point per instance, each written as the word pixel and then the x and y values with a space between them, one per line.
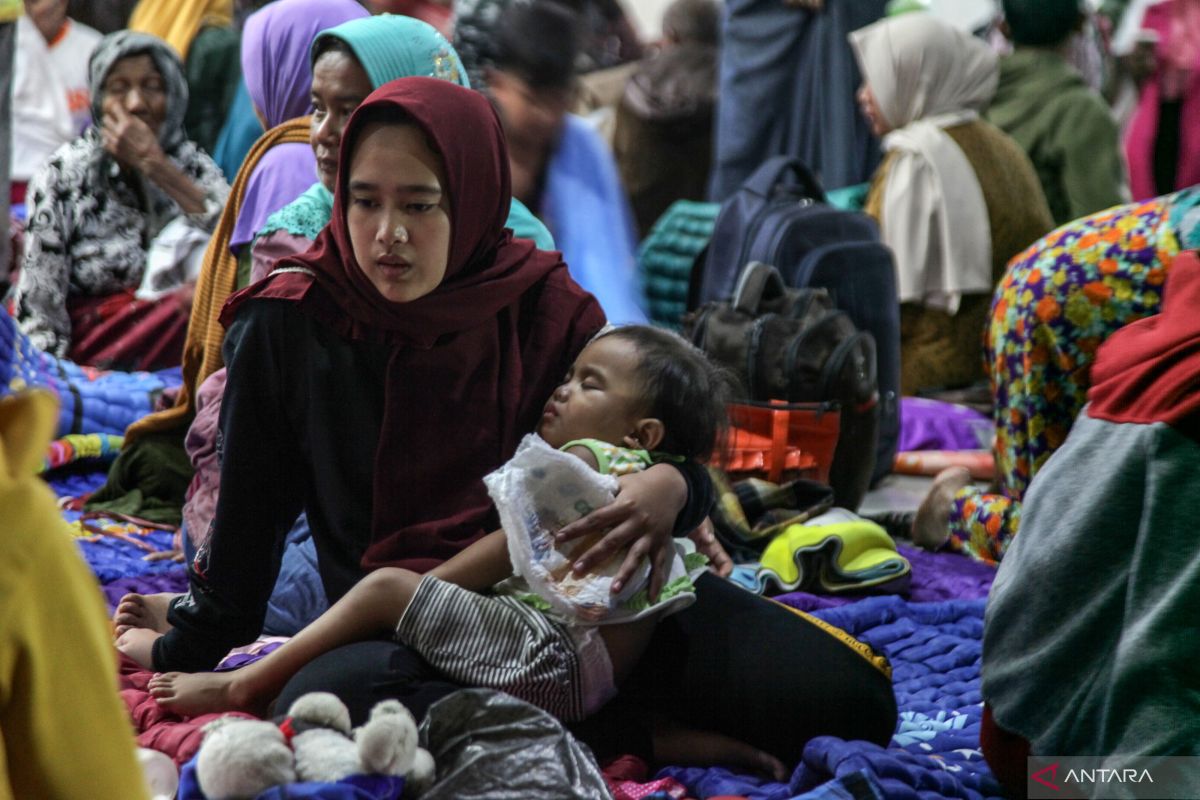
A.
pixel 1149 371
pixel 472 362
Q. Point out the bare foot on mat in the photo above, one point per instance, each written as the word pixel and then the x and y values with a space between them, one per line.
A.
pixel 195 693
pixel 143 611
pixel 931 528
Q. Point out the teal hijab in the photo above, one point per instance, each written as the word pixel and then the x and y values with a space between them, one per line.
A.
pixel 389 47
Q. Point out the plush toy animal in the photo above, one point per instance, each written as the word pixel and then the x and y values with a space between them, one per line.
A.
pixel 240 758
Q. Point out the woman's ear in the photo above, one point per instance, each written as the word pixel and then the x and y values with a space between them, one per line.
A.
pixel 647 434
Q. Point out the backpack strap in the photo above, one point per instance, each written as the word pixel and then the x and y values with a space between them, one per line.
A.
pixel 757 282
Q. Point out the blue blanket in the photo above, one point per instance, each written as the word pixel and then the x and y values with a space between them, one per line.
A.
pixel 114 561
pixel 90 400
pixel 935 653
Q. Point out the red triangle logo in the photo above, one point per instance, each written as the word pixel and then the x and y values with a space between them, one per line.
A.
pixel 1040 777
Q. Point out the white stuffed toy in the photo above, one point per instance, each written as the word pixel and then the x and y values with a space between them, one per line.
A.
pixel 240 758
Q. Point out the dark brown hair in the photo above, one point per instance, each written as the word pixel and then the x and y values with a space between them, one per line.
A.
pixel 685 390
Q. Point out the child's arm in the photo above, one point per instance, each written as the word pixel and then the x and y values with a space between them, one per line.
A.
pixel 585 455
pixel 485 563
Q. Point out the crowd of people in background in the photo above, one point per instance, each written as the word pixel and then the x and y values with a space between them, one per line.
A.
pixel 649 130
pixel 176 190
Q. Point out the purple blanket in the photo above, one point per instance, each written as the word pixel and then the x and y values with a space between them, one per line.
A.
pixel 934 425
pixel 935 577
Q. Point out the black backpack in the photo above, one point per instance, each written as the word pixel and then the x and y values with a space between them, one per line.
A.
pixel 794 345
pixel 779 216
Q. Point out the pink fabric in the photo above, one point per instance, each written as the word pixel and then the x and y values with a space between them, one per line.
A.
pixel 201 441
pixel 201 445
pixel 1177 23
pixel 157 728
pixel 270 248
pixel 626 778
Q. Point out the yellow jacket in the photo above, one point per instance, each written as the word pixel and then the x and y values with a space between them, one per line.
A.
pixel 64 732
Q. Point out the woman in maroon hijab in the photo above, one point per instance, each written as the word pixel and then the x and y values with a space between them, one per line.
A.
pixel 374 381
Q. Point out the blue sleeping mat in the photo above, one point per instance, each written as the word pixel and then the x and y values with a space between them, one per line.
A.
pixel 935 653
pixel 90 400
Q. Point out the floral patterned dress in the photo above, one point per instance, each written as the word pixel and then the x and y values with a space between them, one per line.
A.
pixel 1059 300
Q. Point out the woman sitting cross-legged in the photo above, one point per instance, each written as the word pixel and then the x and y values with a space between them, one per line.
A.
pixel 341 66
pixel 96 206
pixel 375 380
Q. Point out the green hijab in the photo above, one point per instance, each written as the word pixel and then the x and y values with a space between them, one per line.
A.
pixel 389 47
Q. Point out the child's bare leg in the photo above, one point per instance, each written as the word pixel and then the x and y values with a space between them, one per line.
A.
pixel 371 608
pixel 480 566
pixel 143 611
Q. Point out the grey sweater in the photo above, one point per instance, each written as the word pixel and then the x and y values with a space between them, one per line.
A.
pixel 1091 644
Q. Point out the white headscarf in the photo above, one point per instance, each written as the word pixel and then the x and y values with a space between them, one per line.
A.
pixel 926 76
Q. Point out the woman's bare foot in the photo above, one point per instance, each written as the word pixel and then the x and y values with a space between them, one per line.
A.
pixel 138 644
pixel 191 694
pixel 676 744
pixel 143 611
pixel 931 528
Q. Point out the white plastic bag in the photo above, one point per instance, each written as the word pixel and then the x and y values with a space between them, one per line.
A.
pixel 539 491
pixel 173 259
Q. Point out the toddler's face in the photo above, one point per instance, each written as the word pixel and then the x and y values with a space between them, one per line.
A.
pixel 601 397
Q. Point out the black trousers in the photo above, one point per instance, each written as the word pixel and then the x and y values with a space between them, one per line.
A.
pixel 1167 146
pixel 733 662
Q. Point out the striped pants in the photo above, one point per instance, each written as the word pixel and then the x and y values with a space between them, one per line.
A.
pixel 505 644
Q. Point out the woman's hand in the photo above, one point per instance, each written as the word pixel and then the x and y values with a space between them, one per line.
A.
pixel 640 521
pixel 130 140
pixel 707 545
pixel 135 145
pixel 185 295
